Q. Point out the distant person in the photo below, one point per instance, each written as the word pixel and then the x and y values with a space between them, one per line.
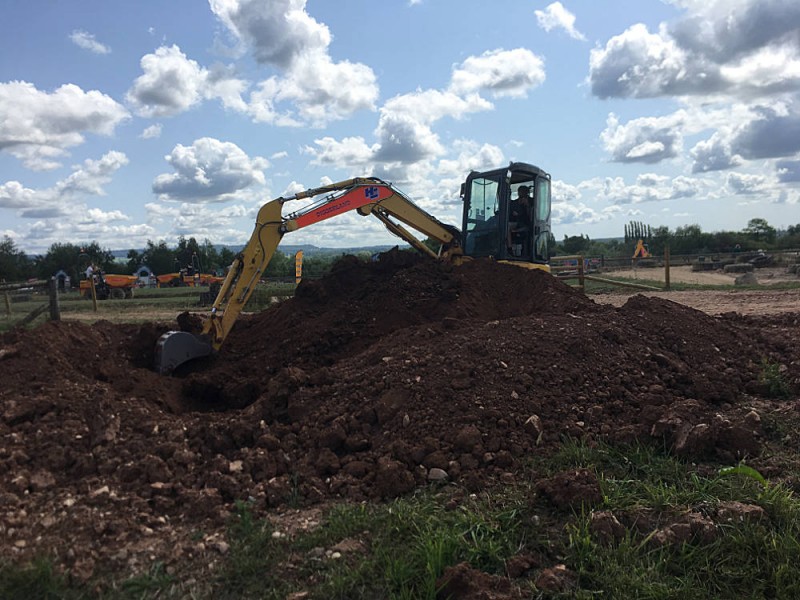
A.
pixel 89 271
pixel 519 221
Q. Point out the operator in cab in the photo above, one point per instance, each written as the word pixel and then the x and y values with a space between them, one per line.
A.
pixel 519 221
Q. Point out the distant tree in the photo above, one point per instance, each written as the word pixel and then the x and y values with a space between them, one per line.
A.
pixel 159 257
pixel 188 252
pixel 635 231
pixel 575 244
pixel 73 259
pixel 14 263
pixel 226 256
pixel 280 265
pixel 760 231
pixel 134 261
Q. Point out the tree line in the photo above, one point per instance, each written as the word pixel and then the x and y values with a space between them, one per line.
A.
pixel 73 259
pixel 16 265
pixel 688 239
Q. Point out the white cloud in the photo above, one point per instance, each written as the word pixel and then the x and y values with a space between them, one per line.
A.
pixel 86 41
pixel 172 83
pixel 714 154
pixel 647 139
pixel 502 72
pixel 768 130
pixel 649 187
pixel 555 16
pixel 744 184
pixel 721 47
pixel 93 175
pixel 314 89
pixel 351 151
pixel 209 171
pixel 199 221
pixel 45 125
pixel 318 89
pixel 87 179
pixel 278 31
pixel 151 132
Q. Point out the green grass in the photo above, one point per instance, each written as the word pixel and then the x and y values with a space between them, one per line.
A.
pixel 773 379
pixel 405 545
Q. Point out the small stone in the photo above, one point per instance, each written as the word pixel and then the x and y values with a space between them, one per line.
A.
pixel 437 474
pixel 99 491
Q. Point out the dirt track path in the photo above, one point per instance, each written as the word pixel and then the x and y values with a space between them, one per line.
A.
pixel 749 302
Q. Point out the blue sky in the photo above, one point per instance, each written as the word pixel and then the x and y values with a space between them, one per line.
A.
pixel 127 121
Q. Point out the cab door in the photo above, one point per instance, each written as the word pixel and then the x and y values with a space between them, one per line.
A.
pixel 484 212
pixel 541 219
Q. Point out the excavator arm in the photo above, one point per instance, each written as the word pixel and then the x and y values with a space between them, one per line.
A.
pixel 367 196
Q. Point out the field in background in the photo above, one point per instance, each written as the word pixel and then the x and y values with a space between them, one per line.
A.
pixel 148 304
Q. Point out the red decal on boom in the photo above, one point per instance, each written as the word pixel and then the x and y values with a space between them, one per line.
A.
pixel 353 199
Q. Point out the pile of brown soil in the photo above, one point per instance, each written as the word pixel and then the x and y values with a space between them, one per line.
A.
pixel 369 383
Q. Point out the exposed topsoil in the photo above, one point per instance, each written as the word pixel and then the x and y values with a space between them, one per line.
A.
pixel 366 385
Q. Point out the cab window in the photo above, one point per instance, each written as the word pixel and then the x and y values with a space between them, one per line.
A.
pixel 482 232
pixel 542 199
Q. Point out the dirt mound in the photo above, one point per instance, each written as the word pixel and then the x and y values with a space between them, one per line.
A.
pixel 380 378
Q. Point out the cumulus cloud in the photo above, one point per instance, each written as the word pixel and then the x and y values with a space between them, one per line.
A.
pixel 649 187
pixel 85 180
pixel 319 89
pixel 764 131
pixel 555 16
pixel 720 47
pixel 713 154
pixel 405 135
pixel 199 221
pixel 745 184
pixel 313 89
pixel 87 41
pixel 774 133
pixel 172 83
pixel 500 72
pixel 151 132
pixel 209 171
pixel 646 140
pixel 278 32
pixel 45 125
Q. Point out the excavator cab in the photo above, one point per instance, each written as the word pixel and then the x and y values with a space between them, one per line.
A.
pixel 493 227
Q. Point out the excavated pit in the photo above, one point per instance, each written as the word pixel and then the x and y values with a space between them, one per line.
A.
pixel 362 386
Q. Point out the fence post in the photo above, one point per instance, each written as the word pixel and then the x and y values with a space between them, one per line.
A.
pixel 666 267
pixel 8 303
pixel 55 309
pixel 581 281
pixel 93 292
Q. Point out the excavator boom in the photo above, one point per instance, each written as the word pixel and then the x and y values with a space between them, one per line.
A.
pixel 364 195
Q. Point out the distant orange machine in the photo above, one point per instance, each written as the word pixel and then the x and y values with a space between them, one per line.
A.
pixel 179 279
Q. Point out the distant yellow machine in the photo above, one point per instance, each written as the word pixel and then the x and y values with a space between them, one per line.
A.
pixel 641 250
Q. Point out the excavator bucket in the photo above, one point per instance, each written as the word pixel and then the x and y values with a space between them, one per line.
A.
pixel 177 347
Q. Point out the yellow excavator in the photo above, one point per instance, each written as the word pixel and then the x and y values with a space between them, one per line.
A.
pixel 487 219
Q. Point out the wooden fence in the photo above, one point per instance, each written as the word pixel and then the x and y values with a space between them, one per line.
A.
pixel 37 286
pixel 582 268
